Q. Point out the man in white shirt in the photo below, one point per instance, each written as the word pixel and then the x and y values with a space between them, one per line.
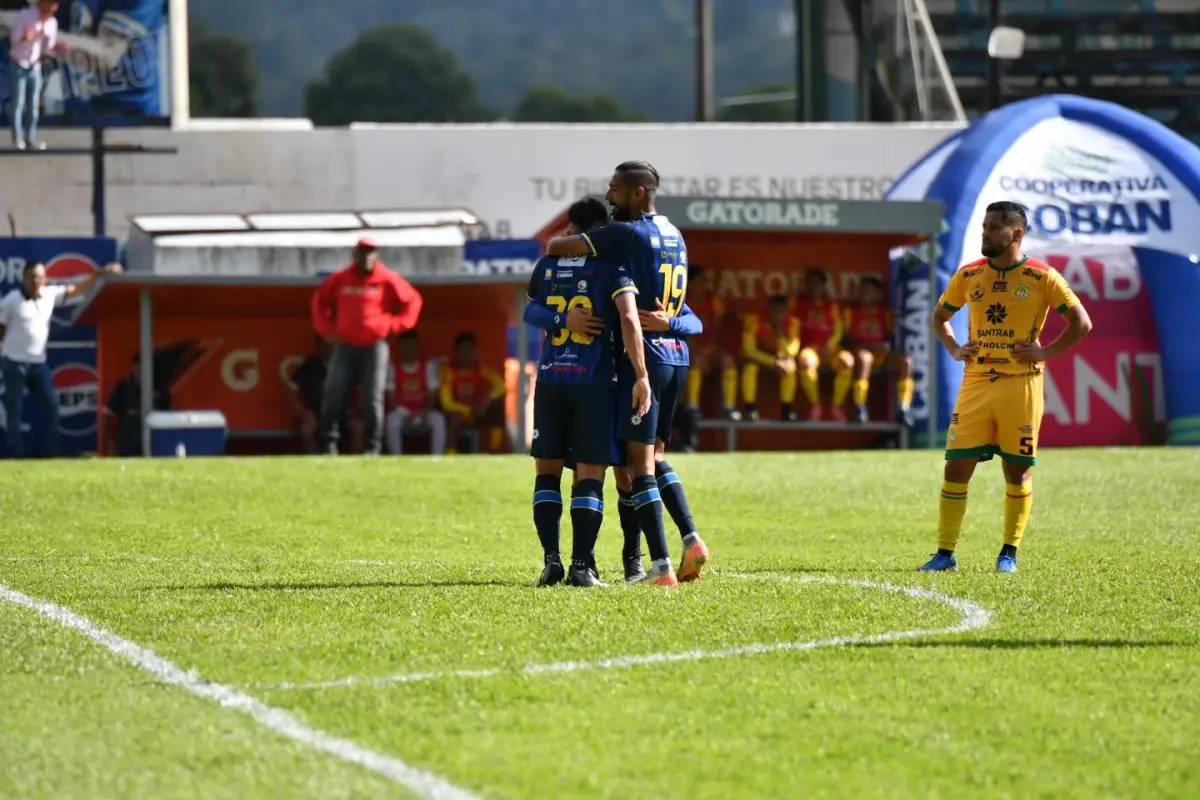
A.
pixel 25 319
pixel 34 35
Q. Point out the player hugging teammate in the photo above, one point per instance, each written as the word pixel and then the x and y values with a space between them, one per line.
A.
pixel 643 247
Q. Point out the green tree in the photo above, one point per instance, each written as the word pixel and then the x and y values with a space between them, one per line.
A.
pixel 552 104
pixel 765 111
pixel 222 75
pixel 393 73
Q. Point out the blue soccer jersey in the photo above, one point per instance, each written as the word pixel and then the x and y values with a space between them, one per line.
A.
pixel 653 251
pixel 565 283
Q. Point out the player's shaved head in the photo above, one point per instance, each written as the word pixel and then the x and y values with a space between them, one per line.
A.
pixel 639 174
pixel 587 214
pixel 632 189
pixel 1011 214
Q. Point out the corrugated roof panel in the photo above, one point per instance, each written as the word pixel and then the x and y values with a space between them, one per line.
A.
pixel 408 219
pixel 405 237
pixel 169 223
pixel 323 221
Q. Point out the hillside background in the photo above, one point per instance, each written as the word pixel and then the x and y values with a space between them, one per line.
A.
pixel 640 51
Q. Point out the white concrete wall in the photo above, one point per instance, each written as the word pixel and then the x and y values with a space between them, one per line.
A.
pixel 516 178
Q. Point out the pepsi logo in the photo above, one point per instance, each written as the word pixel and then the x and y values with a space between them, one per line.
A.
pixel 78 389
pixel 65 269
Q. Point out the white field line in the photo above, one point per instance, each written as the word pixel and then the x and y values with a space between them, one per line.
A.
pixel 358 562
pixel 972 617
pixel 424 784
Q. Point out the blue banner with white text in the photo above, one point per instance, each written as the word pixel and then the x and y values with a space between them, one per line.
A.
pixel 112 66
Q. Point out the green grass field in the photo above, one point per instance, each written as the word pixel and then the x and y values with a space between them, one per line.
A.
pixel 261 575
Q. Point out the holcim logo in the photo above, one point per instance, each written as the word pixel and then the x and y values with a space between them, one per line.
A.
pixel 78 389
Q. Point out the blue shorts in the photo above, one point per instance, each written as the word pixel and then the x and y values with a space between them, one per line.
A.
pixel 573 421
pixel 667 384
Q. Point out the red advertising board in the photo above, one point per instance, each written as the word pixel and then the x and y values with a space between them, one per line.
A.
pixel 1109 389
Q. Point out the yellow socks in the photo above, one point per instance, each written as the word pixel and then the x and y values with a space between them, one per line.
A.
pixel 695 382
pixel 1018 502
pixel 808 382
pixel 862 387
pixel 750 384
pixel 729 382
pixel 951 510
pixel 841 386
pixel 787 389
pixel 904 391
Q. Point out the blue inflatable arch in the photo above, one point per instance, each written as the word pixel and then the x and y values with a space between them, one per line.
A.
pixel 957 172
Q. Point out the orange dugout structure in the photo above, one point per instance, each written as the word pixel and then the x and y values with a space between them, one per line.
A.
pixel 230 343
pixel 752 248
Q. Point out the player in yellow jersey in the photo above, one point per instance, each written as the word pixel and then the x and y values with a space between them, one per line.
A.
pixel 999 408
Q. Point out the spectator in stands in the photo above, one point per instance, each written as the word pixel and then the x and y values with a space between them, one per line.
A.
pixel 771 341
pixel 358 309
pixel 123 412
pixel 411 397
pixel 308 392
pixel 869 334
pixel 25 319
pixel 34 34
pixel 472 395
pixel 821 330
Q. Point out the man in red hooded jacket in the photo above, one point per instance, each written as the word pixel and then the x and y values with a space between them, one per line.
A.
pixel 358 309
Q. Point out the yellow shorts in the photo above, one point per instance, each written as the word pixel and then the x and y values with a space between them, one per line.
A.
pixel 997 417
pixel 831 361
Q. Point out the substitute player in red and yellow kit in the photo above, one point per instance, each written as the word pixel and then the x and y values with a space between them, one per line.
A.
pixel 869 334
pixel 821 329
pixel 771 341
pixel 999 408
pixel 708 354
pixel 472 395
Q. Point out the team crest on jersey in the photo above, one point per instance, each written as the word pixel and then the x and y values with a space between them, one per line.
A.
pixel 582 286
pixel 1021 292
pixel 976 293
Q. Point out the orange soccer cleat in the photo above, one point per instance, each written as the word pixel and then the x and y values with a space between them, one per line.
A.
pixel 695 556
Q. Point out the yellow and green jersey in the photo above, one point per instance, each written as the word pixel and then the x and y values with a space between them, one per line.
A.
pixel 1005 306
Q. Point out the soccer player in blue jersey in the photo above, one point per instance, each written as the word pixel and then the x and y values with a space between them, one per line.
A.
pixel 576 396
pixel 653 250
pixel 687 325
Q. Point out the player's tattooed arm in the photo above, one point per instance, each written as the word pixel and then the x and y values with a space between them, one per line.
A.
pixel 939 322
pixel 1079 325
pixel 631 336
pixel 568 246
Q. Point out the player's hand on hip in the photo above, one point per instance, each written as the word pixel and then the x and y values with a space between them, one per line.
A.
pixel 655 321
pixel 641 395
pixel 580 320
pixel 966 352
pixel 1029 351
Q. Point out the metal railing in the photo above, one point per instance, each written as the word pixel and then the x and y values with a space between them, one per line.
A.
pixel 911 66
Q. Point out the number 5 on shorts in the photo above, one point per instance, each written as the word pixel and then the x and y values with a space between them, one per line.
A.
pixel 1026 446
